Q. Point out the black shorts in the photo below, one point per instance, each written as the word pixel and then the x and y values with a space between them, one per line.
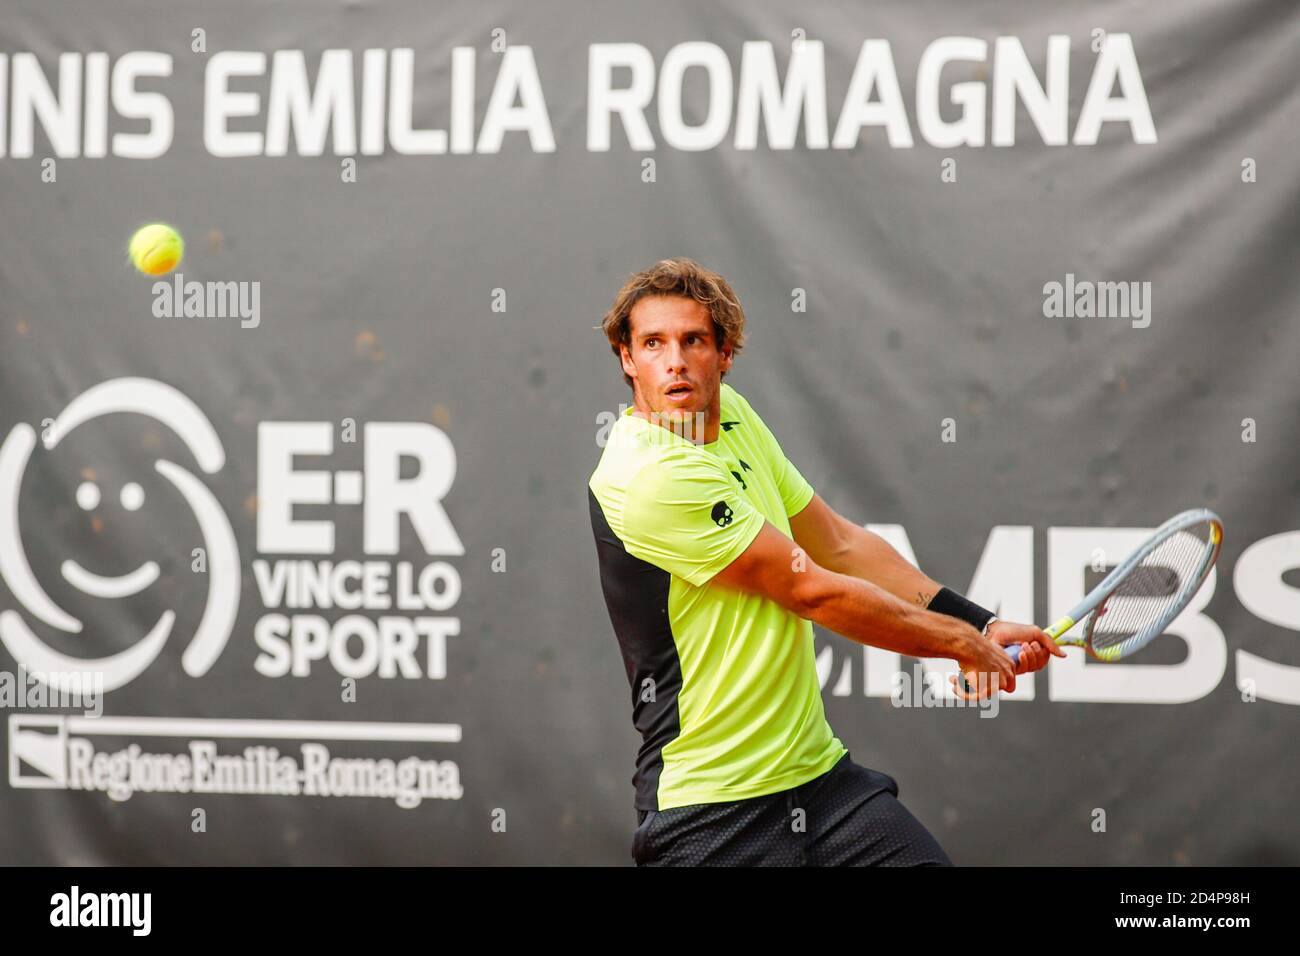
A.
pixel 849 816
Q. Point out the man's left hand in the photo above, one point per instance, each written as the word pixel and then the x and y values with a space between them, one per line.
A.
pixel 1035 648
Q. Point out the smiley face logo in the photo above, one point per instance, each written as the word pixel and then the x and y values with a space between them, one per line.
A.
pixel 171 408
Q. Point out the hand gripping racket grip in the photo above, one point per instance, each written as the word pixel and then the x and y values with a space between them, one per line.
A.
pixel 1011 650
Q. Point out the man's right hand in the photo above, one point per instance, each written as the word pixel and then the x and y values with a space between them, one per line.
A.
pixel 987 668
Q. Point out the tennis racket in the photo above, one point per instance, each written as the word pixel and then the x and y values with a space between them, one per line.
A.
pixel 1138 599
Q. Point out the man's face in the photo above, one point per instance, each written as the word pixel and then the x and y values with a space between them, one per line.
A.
pixel 674 360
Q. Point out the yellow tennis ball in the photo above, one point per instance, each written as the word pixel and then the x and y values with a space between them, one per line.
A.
pixel 156 248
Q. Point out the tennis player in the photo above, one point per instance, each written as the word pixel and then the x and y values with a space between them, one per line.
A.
pixel 714 554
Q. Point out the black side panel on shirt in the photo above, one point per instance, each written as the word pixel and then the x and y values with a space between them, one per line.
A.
pixel 636 594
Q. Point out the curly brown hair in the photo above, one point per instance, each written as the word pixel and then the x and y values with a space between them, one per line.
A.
pixel 689 280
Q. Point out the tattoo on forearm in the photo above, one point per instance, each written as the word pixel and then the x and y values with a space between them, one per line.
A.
pixel 923 598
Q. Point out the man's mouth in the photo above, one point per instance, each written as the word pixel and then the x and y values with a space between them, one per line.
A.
pixel 680 390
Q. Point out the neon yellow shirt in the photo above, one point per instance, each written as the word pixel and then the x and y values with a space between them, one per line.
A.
pixel 724 683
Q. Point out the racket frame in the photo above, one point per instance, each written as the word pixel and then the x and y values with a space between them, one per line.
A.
pixel 1111 583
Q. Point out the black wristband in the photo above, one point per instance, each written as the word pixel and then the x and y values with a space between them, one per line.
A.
pixel 955 605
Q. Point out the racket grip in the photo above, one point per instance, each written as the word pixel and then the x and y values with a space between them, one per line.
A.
pixel 1011 650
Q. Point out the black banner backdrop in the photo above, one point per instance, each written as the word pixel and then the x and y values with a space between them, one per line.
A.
pixel 313 508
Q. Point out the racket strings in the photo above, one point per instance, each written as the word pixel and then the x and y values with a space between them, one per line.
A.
pixel 1143 599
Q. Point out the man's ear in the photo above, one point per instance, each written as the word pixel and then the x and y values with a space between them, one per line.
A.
pixel 625 357
pixel 728 354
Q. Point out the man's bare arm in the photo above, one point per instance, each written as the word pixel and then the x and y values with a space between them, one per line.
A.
pixel 838 544
pixel 778 568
